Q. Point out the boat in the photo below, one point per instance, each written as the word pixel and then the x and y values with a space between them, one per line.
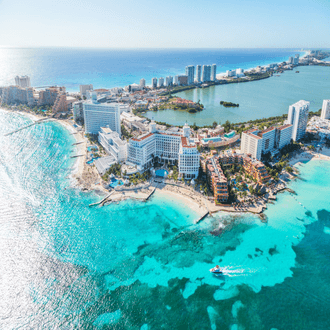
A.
pixel 297 71
pixel 216 270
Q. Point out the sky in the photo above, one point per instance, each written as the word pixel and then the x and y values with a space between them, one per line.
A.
pixel 165 24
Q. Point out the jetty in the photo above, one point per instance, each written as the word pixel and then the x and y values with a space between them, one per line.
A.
pixel 103 200
pixel 76 143
pixel 203 217
pixel 75 156
pixel 34 123
pixel 150 194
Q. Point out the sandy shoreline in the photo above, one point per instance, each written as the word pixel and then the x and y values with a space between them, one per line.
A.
pixel 86 178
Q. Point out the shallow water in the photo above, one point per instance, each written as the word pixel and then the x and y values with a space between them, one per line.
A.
pixel 138 265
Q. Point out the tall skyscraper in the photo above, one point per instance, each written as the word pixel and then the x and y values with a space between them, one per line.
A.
pixel 176 79
pixel 169 81
pixel 161 82
pixel 213 72
pixel 142 83
pixel 206 73
pixel 190 72
pixel 325 114
pixel 296 59
pixel 23 81
pixel 154 82
pixel 97 115
pixel 198 73
pixel 298 117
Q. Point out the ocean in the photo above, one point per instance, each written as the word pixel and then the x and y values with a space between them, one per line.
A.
pixel 106 68
pixel 145 265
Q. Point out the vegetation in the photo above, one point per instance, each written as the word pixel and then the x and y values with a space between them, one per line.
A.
pixel 125 133
pixel 115 169
pixel 228 104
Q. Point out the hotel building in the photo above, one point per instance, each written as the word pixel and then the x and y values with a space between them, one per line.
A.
pixel 167 147
pixel 78 111
pixel 256 142
pixel 213 72
pixel 256 169
pixel 15 94
pixel 97 115
pixel 198 73
pixel 154 82
pixel 161 82
pixel 169 81
pixel 298 117
pixel 206 73
pixel 325 114
pixel 142 83
pixel 190 72
pixel 112 144
pixel 23 81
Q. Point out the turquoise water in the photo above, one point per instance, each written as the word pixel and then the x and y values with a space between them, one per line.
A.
pixel 161 172
pixel 257 99
pixel 135 265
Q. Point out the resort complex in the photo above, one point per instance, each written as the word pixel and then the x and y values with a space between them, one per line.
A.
pixel 225 163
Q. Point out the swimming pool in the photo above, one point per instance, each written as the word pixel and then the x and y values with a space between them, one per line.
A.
pixel 161 173
pixel 114 183
pixel 92 148
pixel 230 135
pixel 212 139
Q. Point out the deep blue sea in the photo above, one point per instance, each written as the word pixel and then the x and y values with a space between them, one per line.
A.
pixel 140 266
pixel 114 67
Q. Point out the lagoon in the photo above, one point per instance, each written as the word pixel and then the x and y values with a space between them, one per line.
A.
pixel 257 99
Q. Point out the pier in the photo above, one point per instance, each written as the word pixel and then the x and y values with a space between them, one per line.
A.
pixel 34 123
pixel 75 156
pixel 102 201
pixel 74 144
pixel 203 217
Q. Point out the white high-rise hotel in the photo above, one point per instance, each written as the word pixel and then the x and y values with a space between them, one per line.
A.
pixel 190 72
pixel 206 73
pixel 166 146
pixel 325 114
pixel 198 73
pixel 23 81
pixel 256 142
pixel 298 117
pixel 97 115
pixel 213 72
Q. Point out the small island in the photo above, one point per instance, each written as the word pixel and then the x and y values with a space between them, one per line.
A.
pixel 228 104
